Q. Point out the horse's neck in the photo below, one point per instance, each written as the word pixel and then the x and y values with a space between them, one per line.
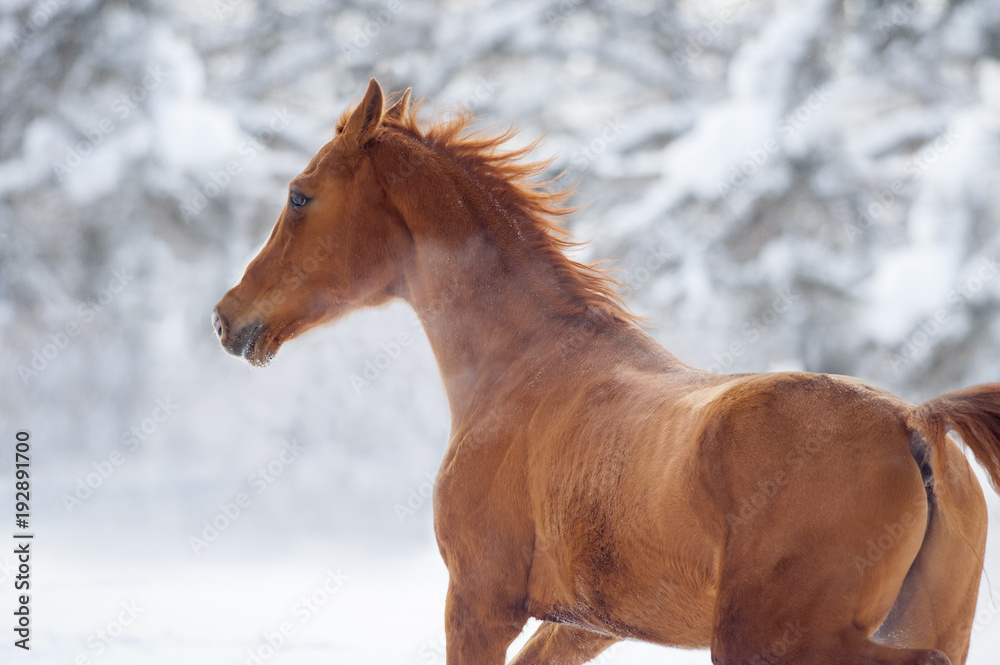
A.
pixel 492 310
pixel 482 322
pixel 484 307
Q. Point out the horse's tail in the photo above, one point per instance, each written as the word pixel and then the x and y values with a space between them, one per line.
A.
pixel 972 412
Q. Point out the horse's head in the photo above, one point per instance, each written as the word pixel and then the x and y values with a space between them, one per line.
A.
pixel 335 247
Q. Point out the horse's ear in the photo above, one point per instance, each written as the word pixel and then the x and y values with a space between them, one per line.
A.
pixel 398 110
pixel 366 118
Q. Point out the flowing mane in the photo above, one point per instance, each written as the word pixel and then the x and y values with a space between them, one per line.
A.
pixel 512 183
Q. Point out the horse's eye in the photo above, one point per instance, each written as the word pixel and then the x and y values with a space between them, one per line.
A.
pixel 297 200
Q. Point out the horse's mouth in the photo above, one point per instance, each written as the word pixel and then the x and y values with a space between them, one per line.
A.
pixel 260 349
pixel 258 343
pixel 250 344
pixel 250 353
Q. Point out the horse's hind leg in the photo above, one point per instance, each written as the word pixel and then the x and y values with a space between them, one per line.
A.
pixel 812 574
pixel 555 644
pixel 937 604
pixel 857 649
pixel 812 629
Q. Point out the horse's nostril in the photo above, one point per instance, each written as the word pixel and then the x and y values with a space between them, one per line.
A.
pixel 217 324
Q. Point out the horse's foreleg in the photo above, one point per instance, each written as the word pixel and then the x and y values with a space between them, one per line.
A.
pixel 480 623
pixel 554 644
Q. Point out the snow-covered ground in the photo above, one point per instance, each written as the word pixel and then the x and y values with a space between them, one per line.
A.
pixel 384 611
pixel 110 599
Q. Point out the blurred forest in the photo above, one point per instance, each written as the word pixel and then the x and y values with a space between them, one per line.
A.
pixel 782 185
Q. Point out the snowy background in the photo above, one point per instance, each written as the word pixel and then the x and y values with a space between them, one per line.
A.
pixel 798 184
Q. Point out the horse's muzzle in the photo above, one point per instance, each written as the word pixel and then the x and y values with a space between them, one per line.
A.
pixel 237 342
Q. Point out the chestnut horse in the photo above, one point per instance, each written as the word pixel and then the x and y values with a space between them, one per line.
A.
pixel 592 479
